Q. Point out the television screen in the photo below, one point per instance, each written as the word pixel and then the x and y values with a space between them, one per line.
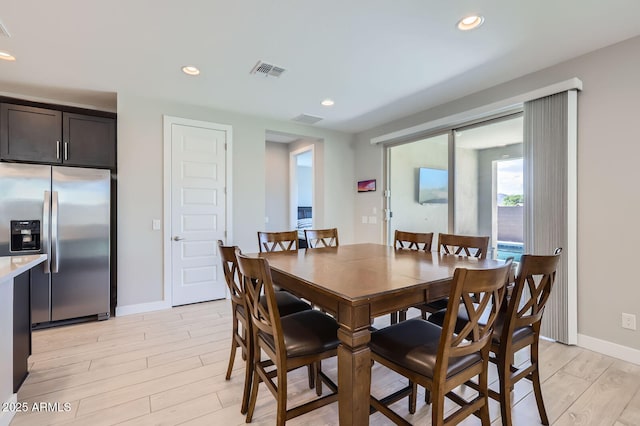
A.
pixel 433 186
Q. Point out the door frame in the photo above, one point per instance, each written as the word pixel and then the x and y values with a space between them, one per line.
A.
pixel 293 188
pixel 168 122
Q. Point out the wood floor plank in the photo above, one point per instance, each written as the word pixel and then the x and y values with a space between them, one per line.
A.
pixel 631 414
pixel 30 390
pixel 559 392
pixel 588 365
pixel 120 413
pixel 42 375
pixel 604 401
pixel 137 390
pixel 178 413
pixel 555 356
pixel 100 387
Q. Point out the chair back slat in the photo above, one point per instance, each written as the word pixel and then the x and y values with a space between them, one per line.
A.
pixel 532 289
pixel 463 245
pixel 413 240
pixel 317 238
pixel 480 291
pixel 278 241
pixel 231 274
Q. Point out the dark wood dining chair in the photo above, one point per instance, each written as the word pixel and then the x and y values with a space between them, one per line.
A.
pixel 289 342
pixel 317 238
pixel 441 359
pixel 410 241
pixel 459 245
pixel 518 327
pixel 278 241
pixel 413 240
pixel 240 336
pixel 241 327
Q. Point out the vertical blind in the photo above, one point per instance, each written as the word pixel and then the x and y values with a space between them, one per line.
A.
pixel 550 219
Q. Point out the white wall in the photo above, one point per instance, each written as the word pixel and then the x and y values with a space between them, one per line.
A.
pixel 305 184
pixel 406 160
pixel 140 178
pixel 277 186
pixel 608 201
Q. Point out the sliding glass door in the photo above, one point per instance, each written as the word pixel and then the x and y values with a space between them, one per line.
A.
pixel 465 181
pixel 418 186
pixel 488 189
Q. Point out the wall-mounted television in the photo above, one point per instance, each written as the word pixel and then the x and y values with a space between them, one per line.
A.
pixel 433 186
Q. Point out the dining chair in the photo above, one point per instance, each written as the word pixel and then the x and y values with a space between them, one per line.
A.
pixel 459 245
pixel 439 358
pixel 518 327
pixel 278 241
pixel 412 240
pixel 409 241
pixel 241 324
pixel 321 237
pixel 289 342
pixel 240 337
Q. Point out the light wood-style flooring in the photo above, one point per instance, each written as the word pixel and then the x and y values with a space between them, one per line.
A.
pixel 167 368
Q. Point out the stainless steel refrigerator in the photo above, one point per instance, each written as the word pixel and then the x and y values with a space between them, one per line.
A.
pixel 65 212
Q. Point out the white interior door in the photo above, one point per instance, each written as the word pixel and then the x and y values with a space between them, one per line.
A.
pixel 197 212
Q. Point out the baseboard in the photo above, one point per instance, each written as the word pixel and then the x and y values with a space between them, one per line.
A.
pixel 7 416
pixel 142 308
pixel 608 348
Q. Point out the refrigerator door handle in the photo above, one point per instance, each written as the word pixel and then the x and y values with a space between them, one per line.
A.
pixel 54 233
pixel 46 241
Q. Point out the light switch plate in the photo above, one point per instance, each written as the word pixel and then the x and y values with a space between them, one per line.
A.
pixel 155 224
pixel 365 219
pixel 373 219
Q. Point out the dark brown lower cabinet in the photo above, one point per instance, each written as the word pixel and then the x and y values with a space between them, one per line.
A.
pixel 21 328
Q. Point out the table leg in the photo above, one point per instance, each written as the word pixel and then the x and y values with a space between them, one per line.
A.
pixel 354 365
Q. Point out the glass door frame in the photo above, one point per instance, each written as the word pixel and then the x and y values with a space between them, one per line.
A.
pixel 450 131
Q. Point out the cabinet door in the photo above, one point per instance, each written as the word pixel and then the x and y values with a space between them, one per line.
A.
pixel 30 134
pixel 21 329
pixel 88 141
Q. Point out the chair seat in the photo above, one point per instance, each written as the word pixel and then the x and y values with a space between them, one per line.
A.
pixel 518 334
pixel 434 306
pixel 413 344
pixel 306 333
pixel 287 303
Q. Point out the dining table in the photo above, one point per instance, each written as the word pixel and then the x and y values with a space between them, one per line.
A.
pixel 356 283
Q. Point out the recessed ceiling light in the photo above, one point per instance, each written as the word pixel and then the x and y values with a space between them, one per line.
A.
pixel 327 102
pixel 190 70
pixel 470 22
pixel 7 56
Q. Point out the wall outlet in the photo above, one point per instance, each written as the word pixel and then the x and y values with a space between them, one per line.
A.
pixel 628 321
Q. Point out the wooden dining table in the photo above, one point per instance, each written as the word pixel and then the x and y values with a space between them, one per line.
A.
pixel 357 283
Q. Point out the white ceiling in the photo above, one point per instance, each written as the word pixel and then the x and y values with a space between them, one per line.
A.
pixel 378 59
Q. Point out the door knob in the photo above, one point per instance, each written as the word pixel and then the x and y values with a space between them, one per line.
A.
pixel 176 238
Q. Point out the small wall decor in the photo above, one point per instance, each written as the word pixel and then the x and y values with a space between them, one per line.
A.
pixel 367 185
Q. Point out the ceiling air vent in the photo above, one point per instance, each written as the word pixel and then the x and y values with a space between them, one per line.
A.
pixel 307 119
pixel 265 69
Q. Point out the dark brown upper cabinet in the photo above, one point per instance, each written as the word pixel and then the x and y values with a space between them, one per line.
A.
pixel 30 134
pixel 88 141
pixel 49 136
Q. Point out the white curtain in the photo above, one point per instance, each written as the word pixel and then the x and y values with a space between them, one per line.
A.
pixel 550 179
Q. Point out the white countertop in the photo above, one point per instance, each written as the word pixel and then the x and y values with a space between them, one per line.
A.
pixel 12 266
